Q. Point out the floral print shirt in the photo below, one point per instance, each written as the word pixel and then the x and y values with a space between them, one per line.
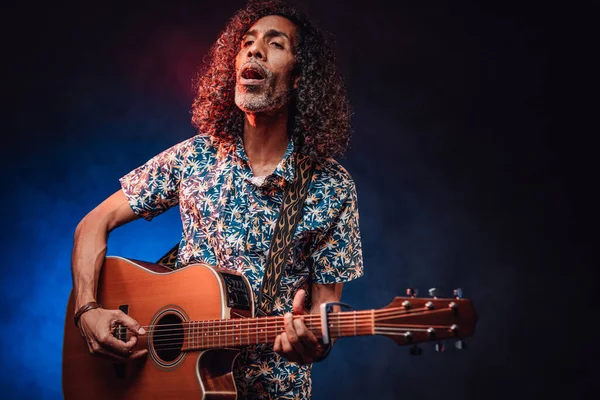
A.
pixel 228 221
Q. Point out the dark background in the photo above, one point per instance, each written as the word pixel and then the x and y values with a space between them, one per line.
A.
pixel 473 155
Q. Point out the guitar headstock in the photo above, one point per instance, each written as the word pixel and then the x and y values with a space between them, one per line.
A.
pixel 411 320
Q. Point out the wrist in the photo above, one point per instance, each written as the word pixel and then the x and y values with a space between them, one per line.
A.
pixel 90 305
pixel 326 351
pixel 82 299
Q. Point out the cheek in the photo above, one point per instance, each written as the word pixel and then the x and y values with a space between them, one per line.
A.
pixel 238 61
pixel 285 73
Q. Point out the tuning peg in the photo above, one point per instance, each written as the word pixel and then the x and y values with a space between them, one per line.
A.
pixel 415 350
pixel 439 347
pixel 460 344
pixel 433 292
pixel 458 293
pixel 412 292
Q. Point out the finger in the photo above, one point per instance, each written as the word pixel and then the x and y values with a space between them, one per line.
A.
pixel 288 350
pixel 291 334
pixel 97 350
pixel 129 322
pixel 298 303
pixel 308 339
pixel 113 344
pixel 138 354
pixel 277 344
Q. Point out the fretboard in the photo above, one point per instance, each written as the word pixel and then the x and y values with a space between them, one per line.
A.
pixel 246 331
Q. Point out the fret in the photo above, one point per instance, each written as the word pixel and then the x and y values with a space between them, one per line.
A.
pixel 354 323
pixel 192 333
pixel 256 319
pixel 202 334
pixel 372 322
pixel 339 325
pixel 240 322
pixel 188 338
pixel 234 338
pixel 248 322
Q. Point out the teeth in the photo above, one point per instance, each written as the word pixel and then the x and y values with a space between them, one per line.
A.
pixel 251 73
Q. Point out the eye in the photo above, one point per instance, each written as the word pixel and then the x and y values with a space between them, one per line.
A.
pixel 247 43
pixel 277 45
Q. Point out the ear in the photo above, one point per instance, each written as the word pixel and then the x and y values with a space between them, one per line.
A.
pixel 296 80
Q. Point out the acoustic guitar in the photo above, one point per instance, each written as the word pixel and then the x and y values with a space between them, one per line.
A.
pixel 197 318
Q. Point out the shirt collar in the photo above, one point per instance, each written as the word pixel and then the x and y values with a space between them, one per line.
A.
pixel 286 168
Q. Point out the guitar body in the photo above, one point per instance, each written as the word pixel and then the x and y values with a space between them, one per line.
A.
pixel 155 296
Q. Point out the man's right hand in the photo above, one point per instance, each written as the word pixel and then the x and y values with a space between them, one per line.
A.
pixel 98 325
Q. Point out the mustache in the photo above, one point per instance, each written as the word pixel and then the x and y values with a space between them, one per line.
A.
pixel 266 72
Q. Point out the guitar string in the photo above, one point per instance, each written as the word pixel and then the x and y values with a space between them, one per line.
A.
pixel 248 333
pixel 184 347
pixel 247 329
pixel 245 334
pixel 203 330
pixel 243 341
pixel 310 317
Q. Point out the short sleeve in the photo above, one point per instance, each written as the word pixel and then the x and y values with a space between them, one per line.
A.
pixel 338 253
pixel 153 187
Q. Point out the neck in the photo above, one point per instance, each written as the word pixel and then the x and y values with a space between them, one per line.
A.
pixel 246 331
pixel 265 139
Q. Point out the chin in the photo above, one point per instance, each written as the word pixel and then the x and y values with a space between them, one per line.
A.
pixel 252 103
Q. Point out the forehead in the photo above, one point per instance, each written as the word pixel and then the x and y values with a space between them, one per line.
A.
pixel 276 22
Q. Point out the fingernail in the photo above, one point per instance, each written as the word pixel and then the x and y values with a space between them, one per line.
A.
pixel 142 331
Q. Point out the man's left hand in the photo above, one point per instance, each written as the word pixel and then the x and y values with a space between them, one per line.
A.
pixel 298 344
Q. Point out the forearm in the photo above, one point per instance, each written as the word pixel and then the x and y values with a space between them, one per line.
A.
pixel 90 243
pixel 89 251
pixel 324 294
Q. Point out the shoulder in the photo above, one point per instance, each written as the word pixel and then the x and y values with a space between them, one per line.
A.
pixel 331 173
pixel 197 146
pixel 203 142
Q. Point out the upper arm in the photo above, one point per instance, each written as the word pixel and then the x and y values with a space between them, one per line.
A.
pixel 111 213
pixel 337 255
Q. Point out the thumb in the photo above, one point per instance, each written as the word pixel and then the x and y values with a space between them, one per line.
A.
pixel 130 323
pixel 298 304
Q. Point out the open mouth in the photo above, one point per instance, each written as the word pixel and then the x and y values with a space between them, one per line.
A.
pixel 252 73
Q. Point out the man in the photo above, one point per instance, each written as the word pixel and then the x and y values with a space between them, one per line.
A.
pixel 271 90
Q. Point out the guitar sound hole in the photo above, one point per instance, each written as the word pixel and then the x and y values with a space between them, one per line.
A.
pixel 167 339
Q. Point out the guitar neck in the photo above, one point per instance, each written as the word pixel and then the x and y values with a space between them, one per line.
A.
pixel 247 331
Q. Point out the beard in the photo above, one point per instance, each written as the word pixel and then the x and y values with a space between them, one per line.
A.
pixel 270 95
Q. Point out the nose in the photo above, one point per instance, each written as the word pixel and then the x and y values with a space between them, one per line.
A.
pixel 256 51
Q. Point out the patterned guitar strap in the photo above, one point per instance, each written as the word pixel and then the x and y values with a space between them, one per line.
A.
pixel 290 214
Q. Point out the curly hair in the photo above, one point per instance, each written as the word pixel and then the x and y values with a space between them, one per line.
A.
pixel 319 117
